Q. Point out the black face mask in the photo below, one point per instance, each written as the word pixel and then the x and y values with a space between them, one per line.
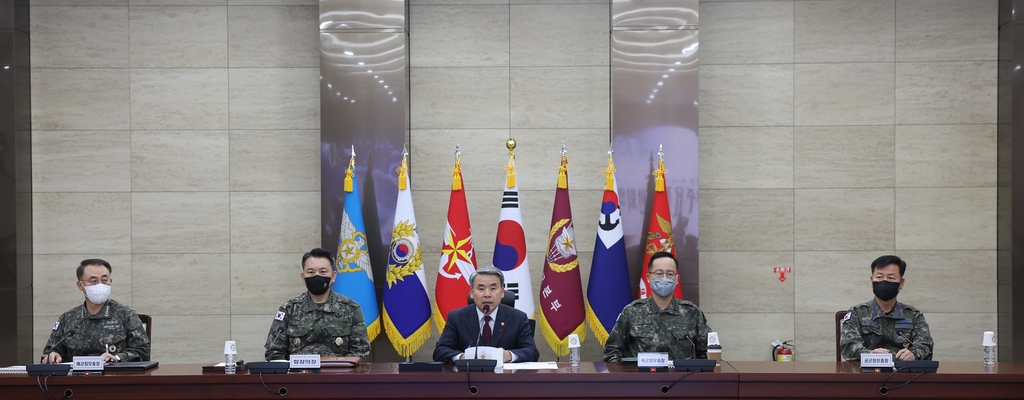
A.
pixel 318 285
pixel 886 290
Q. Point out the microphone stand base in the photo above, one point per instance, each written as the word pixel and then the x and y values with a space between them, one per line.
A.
pixel 476 365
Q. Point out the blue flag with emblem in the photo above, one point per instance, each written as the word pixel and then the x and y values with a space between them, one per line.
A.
pixel 406 303
pixel 609 291
pixel 355 276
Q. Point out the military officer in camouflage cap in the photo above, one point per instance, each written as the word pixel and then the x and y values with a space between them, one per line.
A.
pixel 320 320
pixel 884 325
pixel 100 326
pixel 660 323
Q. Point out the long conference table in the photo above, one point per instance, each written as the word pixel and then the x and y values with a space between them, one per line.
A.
pixel 732 380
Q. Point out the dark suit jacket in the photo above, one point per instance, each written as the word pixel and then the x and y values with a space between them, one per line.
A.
pixel 511 332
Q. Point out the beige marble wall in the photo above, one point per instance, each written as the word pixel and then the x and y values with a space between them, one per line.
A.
pixel 868 130
pixel 179 140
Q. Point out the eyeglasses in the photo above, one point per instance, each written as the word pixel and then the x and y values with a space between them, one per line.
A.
pixel 663 274
pixel 105 281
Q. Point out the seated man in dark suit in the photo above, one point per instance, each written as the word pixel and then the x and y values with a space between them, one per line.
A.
pixel 506 327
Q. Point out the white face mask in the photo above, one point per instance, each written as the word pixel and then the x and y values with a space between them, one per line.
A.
pixel 98 293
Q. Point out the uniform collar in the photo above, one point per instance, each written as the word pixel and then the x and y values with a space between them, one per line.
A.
pixel 103 314
pixel 877 312
pixel 309 305
pixel 673 306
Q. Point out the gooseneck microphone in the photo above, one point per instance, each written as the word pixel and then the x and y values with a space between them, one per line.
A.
pixel 487 309
pixel 692 345
pixel 693 365
pixel 473 389
pixel 71 332
pixel 909 343
pixel 277 335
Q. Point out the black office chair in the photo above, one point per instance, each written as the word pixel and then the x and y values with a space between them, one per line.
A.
pixel 147 322
pixel 509 300
pixel 839 331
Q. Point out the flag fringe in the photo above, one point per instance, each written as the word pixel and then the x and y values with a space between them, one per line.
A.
pixel 405 346
pixel 373 329
pixel 438 318
pixel 560 345
pixel 595 325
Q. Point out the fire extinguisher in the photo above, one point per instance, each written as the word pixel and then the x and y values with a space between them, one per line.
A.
pixel 782 351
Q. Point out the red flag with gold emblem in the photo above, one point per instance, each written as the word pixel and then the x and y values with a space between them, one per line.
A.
pixel 659 234
pixel 458 260
pixel 562 311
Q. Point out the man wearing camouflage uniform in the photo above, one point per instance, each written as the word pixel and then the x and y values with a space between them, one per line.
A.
pixel 660 323
pixel 100 326
pixel 318 321
pixel 884 325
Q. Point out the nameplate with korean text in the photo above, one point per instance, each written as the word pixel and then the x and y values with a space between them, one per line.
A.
pixel 656 360
pixel 873 360
pixel 304 361
pixel 87 363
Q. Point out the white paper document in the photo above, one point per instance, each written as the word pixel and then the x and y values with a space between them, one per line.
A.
pixel 486 353
pixel 532 365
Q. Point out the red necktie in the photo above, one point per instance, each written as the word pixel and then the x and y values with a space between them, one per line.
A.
pixel 486 338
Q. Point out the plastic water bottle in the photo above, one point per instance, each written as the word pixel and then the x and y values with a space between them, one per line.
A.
pixel 989 342
pixel 574 351
pixel 229 364
pixel 229 357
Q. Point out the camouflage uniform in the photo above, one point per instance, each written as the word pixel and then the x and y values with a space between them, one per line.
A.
pixel 116 329
pixel 334 328
pixel 866 327
pixel 644 327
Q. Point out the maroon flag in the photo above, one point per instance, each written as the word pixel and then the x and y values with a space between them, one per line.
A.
pixel 562 311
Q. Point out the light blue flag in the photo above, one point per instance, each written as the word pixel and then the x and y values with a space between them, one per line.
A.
pixel 355 276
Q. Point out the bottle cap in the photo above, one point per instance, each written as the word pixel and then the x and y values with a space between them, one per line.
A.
pixel 229 347
pixel 989 339
pixel 574 341
pixel 713 339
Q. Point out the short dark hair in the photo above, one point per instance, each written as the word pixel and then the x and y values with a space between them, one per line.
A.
pixel 886 260
pixel 662 254
pixel 318 253
pixel 487 270
pixel 91 261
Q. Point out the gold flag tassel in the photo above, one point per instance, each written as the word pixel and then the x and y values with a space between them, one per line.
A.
pixel 609 175
pixel 351 171
pixel 510 180
pixel 659 180
pixel 401 174
pixel 457 175
pixel 562 169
